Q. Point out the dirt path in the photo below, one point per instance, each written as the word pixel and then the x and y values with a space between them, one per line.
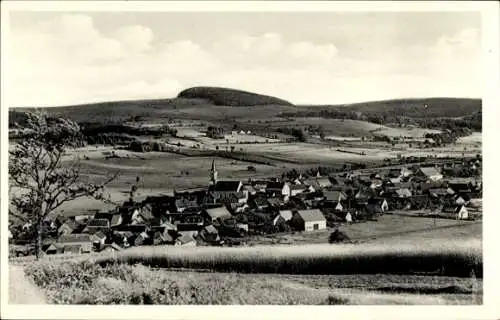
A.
pixel 21 289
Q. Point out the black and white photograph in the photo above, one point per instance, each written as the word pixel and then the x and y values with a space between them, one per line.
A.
pixel 192 155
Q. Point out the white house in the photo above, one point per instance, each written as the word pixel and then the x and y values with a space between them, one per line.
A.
pixel 348 217
pixel 309 220
pixel 186 240
pixel 300 188
pixel 278 188
pixel 286 214
pixel 457 212
pixel 429 173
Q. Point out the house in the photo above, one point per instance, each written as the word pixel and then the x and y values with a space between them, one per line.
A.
pixel 182 204
pixel 103 215
pixel 185 240
pixel 83 241
pixel 348 217
pixel 403 193
pixel 296 189
pixel 278 188
pixel 163 236
pixel 278 220
pixel 242 226
pixel 403 185
pixel 424 187
pixel 429 174
pixel 394 173
pixel 217 213
pixel 459 200
pixel 395 180
pixel 335 205
pixel 96 225
pixel 310 183
pixel 83 217
pixel 209 234
pixel 238 207
pixel 376 183
pixel 226 186
pixel 404 172
pixel 379 202
pixel 440 192
pixel 460 187
pixel 142 215
pixel 364 194
pixel 116 220
pixel 459 212
pixel 74 249
pixel 125 237
pixel 308 220
pixel 249 189
pixel 260 186
pixel 335 196
pixel 69 226
pixel 168 226
pixel 191 222
pixel 240 197
pixel 286 214
pixel 140 239
pixel 338 183
pixel 98 239
pixel 275 202
pixel 54 248
pixel 111 248
pixel 280 225
pixel 260 202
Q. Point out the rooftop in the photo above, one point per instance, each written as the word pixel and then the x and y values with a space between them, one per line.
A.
pixel 73 238
pixel 226 185
pixel 311 215
pixel 219 212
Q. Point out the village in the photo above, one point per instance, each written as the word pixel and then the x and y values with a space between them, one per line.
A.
pixel 229 211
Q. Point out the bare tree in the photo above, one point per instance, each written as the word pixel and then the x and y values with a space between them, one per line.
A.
pixel 41 178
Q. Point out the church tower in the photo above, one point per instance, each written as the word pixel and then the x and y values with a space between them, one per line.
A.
pixel 213 174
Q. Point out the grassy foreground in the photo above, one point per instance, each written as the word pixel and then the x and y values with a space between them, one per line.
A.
pixel 74 282
pixel 457 259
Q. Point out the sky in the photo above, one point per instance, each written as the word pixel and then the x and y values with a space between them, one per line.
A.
pixel 64 58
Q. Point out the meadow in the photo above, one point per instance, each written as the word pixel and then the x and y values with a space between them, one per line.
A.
pixel 389 229
pixel 87 283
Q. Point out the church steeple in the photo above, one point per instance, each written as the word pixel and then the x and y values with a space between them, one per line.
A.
pixel 213 174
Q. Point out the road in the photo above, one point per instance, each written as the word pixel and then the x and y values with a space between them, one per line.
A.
pixel 21 289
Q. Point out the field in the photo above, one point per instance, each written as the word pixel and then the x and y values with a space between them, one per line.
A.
pixel 358 128
pixel 389 229
pixel 162 172
pixel 87 283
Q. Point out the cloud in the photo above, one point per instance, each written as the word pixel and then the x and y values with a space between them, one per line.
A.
pixel 68 60
pixel 136 38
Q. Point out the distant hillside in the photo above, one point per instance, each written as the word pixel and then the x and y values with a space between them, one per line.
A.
pixel 115 111
pixel 413 108
pixel 200 104
pixel 230 97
